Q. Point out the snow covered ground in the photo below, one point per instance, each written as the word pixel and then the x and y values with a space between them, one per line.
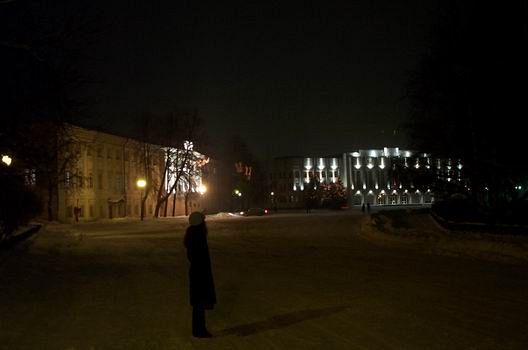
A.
pixel 419 230
pixel 286 281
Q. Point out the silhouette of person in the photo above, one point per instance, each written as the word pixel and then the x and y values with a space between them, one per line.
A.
pixel 363 207
pixel 368 207
pixel 201 283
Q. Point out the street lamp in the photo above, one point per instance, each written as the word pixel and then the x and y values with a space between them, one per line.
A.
pixel 7 159
pixel 141 184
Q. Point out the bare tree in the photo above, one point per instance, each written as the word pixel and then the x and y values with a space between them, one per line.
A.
pixel 52 150
pixel 179 155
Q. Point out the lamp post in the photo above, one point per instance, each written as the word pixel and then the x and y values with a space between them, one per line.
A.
pixel 141 184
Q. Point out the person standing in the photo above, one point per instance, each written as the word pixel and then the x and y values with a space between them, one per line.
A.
pixel 201 283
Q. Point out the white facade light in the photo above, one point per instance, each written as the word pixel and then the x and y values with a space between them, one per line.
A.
pixel 370 166
pixel 356 154
pixel 370 192
pixel 188 145
pixel 308 164
pixel 364 186
pixel 358 192
pixel 321 165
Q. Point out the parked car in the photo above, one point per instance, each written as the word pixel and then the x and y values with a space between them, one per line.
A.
pixel 256 212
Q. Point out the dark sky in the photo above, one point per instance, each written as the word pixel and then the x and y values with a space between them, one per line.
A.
pixel 292 79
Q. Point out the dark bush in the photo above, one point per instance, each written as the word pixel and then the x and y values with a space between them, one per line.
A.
pixel 458 208
pixel 18 204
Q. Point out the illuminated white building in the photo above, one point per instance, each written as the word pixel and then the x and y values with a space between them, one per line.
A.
pixel 374 176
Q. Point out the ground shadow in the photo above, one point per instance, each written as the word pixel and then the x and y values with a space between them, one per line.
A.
pixel 280 321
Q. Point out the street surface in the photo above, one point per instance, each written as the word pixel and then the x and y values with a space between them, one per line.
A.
pixel 295 281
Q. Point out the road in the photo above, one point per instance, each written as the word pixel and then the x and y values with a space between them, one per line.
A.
pixel 298 281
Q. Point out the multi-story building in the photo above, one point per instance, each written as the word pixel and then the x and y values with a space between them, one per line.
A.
pixel 375 176
pixel 103 183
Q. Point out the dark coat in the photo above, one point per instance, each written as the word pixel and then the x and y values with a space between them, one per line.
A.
pixel 201 283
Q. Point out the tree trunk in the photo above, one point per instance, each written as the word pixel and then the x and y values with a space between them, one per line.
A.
pixel 50 202
pixel 159 200
pixel 186 203
pixel 174 204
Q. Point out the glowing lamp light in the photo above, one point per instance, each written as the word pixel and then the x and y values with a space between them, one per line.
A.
pixel 141 183
pixel 358 192
pixel 202 189
pixel 239 194
pixel 7 159
pixel 357 166
pixel 370 166
pixel 265 211
pixel 272 193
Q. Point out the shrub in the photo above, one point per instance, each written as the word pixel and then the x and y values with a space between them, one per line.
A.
pixel 18 204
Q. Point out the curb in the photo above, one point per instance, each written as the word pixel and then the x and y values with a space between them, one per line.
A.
pixel 20 236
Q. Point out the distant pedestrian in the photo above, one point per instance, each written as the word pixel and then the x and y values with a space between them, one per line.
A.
pixel 368 207
pixel 363 207
pixel 201 283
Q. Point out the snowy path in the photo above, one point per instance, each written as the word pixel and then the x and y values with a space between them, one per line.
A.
pixel 283 282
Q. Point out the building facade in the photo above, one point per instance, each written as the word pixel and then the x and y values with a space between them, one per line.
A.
pixel 103 183
pixel 387 176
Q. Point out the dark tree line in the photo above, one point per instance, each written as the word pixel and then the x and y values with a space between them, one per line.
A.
pixel 468 97
pixel 41 46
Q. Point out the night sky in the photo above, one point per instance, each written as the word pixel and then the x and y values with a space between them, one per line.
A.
pixel 296 79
